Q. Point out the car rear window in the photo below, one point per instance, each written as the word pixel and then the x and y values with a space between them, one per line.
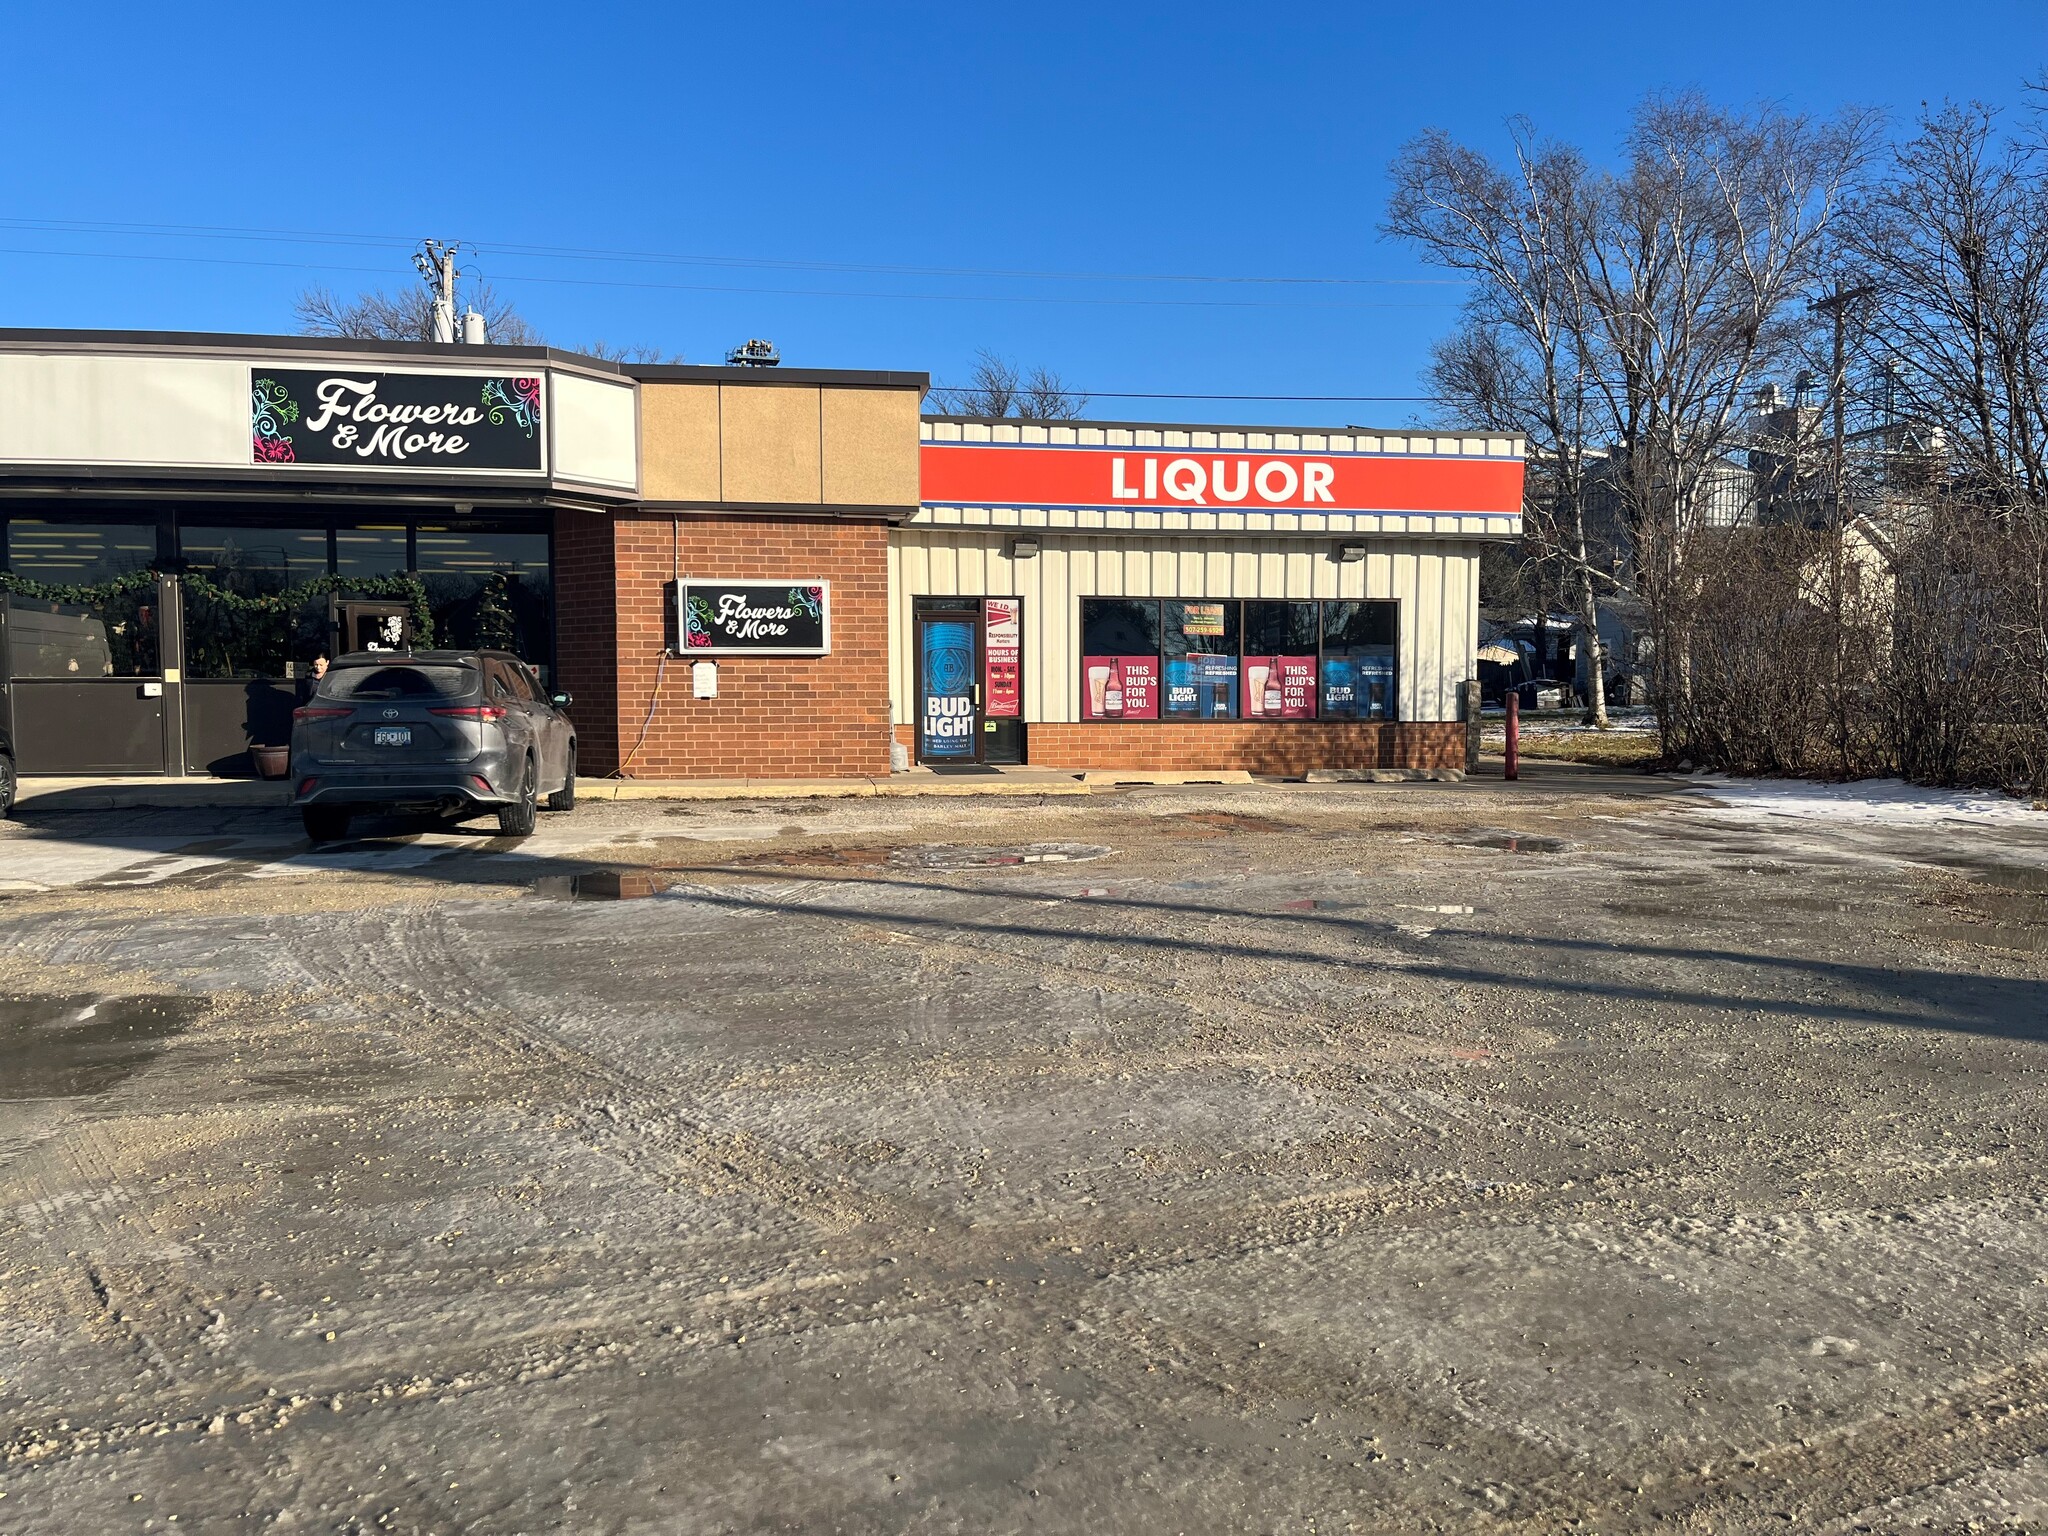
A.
pixel 406 682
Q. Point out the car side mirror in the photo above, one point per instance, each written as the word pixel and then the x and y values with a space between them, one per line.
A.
pixel 563 701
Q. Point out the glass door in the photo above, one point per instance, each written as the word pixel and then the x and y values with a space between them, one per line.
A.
pixel 949 693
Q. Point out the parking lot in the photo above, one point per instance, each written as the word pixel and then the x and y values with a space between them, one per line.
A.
pixel 1349 1157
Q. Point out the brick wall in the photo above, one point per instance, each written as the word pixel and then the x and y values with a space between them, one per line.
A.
pixel 586 635
pixel 1278 749
pixel 775 716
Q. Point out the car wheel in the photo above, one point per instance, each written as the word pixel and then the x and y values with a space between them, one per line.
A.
pixel 7 782
pixel 518 818
pixel 325 823
pixel 564 799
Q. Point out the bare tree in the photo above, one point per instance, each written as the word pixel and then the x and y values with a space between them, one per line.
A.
pixel 998 388
pixel 1955 242
pixel 407 315
pixel 1620 319
pixel 606 351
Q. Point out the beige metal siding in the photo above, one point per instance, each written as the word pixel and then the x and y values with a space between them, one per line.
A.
pixel 1435 581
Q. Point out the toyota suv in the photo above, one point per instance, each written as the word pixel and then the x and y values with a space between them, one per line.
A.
pixel 455 733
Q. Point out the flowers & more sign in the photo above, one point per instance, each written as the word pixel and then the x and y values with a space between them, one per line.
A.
pixel 358 419
pixel 754 618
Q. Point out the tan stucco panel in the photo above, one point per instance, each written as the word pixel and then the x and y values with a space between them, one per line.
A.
pixel 870 447
pixel 679 442
pixel 769 439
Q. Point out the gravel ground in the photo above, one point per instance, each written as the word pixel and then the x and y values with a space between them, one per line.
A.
pixel 1474 1158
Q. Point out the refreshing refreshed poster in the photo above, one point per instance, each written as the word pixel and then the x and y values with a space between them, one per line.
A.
pixel 946 662
pixel 1002 657
pixel 1375 687
pixel 1279 688
pixel 1200 686
pixel 1120 688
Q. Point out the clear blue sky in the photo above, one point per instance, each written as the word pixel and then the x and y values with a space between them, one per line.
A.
pixel 1198 139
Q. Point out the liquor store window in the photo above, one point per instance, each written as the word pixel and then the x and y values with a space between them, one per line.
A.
pixel 1232 659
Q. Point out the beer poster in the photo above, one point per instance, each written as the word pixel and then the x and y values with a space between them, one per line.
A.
pixel 1120 688
pixel 1003 657
pixel 1279 688
pixel 946 663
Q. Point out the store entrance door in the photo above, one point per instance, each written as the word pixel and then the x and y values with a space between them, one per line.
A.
pixel 949 696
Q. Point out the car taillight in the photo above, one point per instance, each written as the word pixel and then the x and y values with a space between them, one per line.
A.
pixel 303 714
pixel 472 711
pixel 306 786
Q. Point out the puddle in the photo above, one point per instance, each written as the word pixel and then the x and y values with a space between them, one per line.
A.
pixel 606 885
pixel 931 856
pixel 1217 823
pixel 72 1047
pixel 1512 842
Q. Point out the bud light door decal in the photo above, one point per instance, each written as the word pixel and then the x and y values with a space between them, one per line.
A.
pixel 947 661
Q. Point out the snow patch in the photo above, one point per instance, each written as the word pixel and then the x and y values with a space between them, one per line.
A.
pixel 1887 802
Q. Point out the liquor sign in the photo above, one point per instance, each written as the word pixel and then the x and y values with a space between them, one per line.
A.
pixel 754 618
pixel 946 668
pixel 1003 657
pixel 1003 475
pixel 1120 687
pixel 358 419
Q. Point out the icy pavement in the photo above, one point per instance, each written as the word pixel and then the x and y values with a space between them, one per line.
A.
pixel 1872 801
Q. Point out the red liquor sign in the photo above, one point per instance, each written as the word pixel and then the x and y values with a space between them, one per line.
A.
pixel 1005 475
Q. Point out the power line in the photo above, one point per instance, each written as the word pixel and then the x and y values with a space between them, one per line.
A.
pixel 584 253
pixel 817 293
pixel 1162 394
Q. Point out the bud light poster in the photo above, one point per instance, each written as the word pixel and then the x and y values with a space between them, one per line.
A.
pixel 946 662
pixel 1120 688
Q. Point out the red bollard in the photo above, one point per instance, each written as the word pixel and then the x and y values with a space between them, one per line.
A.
pixel 1514 770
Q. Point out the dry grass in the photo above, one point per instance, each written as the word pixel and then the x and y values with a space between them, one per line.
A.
pixel 1615 749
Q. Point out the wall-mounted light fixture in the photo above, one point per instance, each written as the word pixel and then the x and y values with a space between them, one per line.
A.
pixel 1350 553
pixel 1023 547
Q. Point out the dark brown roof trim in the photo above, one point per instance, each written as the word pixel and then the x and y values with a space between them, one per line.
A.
pixel 705 373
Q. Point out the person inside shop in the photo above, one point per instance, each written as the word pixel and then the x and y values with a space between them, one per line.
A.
pixel 311 680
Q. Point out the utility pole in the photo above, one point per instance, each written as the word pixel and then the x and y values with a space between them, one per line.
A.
pixel 436 263
pixel 1836 304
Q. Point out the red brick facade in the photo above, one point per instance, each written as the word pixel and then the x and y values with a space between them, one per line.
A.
pixel 775 716
pixel 1291 749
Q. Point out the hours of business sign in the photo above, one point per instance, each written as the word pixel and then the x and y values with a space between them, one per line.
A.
pixel 412 421
pixel 754 618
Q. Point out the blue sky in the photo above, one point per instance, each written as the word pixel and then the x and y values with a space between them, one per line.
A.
pixel 850 181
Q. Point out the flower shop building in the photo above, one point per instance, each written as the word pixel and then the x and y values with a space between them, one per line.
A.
pixel 737 572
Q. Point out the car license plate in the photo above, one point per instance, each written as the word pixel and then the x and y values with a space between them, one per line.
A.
pixel 393 736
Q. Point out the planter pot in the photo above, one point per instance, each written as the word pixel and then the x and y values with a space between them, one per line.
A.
pixel 271 762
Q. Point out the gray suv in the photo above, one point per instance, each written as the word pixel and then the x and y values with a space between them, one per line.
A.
pixel 457 733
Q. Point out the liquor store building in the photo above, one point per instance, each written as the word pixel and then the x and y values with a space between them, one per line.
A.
pixel 736 572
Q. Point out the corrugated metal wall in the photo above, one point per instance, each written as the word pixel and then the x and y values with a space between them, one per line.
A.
pixel 1436 583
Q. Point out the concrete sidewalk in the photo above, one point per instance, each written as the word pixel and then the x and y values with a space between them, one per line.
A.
pixel 159 793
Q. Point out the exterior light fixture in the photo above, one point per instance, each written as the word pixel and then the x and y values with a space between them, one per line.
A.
pixel 1350 554
pixel 1023 547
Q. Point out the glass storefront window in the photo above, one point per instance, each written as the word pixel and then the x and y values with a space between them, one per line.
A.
pixel 1199 652
pixel 222 640
pixel 1358 660
pixel 488 589
pixel 1119 658
pixel 376 551
pixel 1280 648
pixel 114 638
